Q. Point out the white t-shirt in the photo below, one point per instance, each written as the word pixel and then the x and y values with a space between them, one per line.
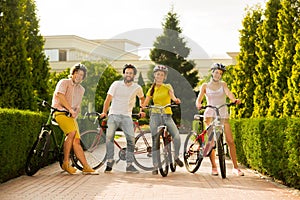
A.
pixel 123 97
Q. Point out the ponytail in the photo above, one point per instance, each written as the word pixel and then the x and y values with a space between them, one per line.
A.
pixel 152 89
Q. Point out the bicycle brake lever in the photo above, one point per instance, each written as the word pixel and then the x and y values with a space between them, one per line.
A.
pixel 44 103
pixel 68 114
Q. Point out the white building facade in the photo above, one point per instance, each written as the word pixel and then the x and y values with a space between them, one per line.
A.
pixel 64 51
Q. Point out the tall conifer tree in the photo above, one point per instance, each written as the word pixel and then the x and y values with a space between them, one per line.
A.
pixel 266 54
pixel 244 85
pixel 35 52
pixel 170 49
pixel 288 74
pixel 15 79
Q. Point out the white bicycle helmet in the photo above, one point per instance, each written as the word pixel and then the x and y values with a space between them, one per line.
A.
pixel 160 68
pixel 219 66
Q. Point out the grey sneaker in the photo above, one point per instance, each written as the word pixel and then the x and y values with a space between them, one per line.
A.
pixel 179 162
pixel 155 172
pixel 131 169
pixel 109 165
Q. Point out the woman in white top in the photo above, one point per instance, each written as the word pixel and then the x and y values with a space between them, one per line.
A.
pixel 216 92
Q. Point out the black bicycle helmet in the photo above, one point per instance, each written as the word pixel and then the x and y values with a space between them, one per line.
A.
pixel 131 67
pixel 219 66
pixel 77 67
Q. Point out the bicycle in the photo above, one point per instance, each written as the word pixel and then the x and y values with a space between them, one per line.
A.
pixel 164 146
pixel 199 144
pixel 94 142
pixel 41 147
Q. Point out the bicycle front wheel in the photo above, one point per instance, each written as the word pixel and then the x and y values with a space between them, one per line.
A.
pixel 94 148
pixel 143 151
pixel 162 158
pixel 221 155
pixel 171 153
pixel 38 153
pixel 193 152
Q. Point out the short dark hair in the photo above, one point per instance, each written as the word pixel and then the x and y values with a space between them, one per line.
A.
pixel 131 67
pixel 77 67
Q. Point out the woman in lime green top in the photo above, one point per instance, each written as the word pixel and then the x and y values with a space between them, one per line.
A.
pixel 162 94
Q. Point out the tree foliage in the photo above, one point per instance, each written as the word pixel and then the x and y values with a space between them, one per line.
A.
pixel 108 76
pixel 170 49
pixel 24 72
pixel 35 52
pixel 15 77
pixel 267 33
pixel 269 42
pixel 244 85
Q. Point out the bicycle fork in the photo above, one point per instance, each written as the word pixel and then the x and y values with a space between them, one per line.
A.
pixel 219 132
pixel 46 134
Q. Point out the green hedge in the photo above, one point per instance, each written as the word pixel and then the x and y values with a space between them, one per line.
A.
pixel 270 146
pixel 18 130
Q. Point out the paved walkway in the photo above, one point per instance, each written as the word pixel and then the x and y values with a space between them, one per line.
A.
pixel 52 183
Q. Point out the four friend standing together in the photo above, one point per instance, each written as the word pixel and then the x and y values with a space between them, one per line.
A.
pixel 118 106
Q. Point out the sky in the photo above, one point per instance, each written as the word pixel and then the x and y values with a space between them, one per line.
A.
pixel 210 27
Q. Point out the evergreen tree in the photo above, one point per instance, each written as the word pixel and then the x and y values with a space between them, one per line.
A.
pixel 107 78
pixel 170 49
pixel 284 60
pixel 288 24
pixel 141 80
pixel 35 52
pixel 15 78
pixel 91 83
pixel 244 85
pixel 295 79
pixel 266 54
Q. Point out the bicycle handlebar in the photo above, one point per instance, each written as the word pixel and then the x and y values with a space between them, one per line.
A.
pixel 98 116
pixel 161 107
pixel 46 104
pixel 216 108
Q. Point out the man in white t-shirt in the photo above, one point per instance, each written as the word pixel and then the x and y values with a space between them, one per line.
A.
pixel 121 98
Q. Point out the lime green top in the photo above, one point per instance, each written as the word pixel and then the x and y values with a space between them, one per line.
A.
pixel 161 97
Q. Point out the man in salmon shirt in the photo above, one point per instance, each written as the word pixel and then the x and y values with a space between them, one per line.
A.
pixel 68 96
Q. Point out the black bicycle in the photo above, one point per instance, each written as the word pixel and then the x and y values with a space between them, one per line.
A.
pixel 47 143
pixel 199 143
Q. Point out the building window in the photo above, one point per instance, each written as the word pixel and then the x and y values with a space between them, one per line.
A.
pixel 52 54
pixel 62 55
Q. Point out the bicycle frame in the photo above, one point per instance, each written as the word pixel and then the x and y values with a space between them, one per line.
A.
pixel 165 140
pixel 198 145
pixel 41 147
pixel 94 140
pixel 212 129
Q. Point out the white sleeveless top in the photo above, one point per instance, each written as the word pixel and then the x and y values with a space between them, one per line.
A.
pixel 216 98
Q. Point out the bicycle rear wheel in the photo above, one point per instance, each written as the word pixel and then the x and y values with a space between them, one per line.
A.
pixel 143 151
pixel 193 152
pixel 162 158
pixel 221 155
pixel 38 153
pixel 94 147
